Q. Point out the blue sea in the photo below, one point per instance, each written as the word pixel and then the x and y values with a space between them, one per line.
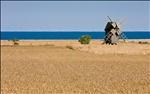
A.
pixel 67 35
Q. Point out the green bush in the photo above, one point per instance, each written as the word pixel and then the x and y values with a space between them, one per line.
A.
pixel 140 42
pixel 85 39
pixel 15 41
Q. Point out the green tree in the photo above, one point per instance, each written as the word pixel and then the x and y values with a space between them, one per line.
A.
pixel 85 39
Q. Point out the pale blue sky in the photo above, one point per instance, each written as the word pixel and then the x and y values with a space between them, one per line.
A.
pixel 73 15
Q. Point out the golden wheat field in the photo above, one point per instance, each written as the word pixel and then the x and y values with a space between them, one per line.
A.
pixel 67 67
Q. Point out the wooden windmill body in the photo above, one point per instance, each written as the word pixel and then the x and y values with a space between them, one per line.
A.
pixel 113 32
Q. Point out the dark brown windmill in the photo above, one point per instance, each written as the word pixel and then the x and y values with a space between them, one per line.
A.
pixel 113 32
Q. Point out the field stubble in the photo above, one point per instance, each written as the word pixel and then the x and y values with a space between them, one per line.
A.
pixel 57 70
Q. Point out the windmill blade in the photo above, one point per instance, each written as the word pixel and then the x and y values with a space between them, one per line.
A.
pixel 106 38
pixel 118 31
pixel 114 24
pixel 109 18
pixel 123 37
pixel 121 22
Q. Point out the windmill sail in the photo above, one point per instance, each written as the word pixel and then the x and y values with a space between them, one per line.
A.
pixel 121 22
pixel 109 18
pixel 122 36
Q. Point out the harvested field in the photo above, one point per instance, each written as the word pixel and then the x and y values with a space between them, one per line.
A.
pixel 54 69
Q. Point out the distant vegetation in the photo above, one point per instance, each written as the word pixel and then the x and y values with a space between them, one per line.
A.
pixel 70 47
pixel 85 39
pixel 140 42
pixel 15 41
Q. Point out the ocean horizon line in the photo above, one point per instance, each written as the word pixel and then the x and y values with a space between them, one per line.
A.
pixel 68 35
pixel 75 31
pixel 71 39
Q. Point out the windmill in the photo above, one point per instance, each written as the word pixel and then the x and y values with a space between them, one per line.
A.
pixel 113 32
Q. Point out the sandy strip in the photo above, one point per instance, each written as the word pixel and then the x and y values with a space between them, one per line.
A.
pixel 130 47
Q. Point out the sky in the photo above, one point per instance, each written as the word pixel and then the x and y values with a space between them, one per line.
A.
pixel 73 15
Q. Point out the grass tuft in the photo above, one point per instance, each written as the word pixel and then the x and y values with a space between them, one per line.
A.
pixel 70 47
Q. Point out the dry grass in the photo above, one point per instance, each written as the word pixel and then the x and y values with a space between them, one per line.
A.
pixel 56 69
pixel 132 47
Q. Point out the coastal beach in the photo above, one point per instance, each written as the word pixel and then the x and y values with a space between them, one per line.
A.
pixel 68 67
pixel 75 47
